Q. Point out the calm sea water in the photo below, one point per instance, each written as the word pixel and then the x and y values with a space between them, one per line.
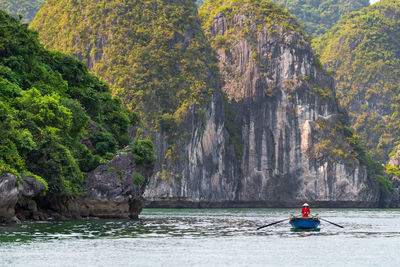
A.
pixel 208 237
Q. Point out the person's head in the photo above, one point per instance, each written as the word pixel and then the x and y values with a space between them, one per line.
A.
pixel 305 205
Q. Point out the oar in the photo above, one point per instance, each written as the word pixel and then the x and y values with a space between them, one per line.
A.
pixel 271 224
pixel 332 223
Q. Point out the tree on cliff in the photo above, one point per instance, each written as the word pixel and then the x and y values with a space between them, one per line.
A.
pixel 153 53
pixel 318 16
pixel 363 51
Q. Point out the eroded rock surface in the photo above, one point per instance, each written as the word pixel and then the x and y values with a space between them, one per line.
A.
pixel 113 190
pixel 18 192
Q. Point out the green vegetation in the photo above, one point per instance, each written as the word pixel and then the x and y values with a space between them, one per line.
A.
pixel 139 179
pixel 143 153
pixel 233 127
pixel 120 174
pixel 153 53
pixel 356 150
pixel 333 140
pixel 259 12
pixel 364 52
pixel 57 121
pixel 26 8
pixel 318 16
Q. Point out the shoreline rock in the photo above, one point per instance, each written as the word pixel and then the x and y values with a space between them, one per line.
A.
pixel 111 191
pixel 16 193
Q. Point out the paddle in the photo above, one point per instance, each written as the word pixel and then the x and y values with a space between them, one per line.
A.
pixel 332 223
pixel 271 224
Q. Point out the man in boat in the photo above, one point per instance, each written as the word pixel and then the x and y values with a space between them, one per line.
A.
pixel 305 210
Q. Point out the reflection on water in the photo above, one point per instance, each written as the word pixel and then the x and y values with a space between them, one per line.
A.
pixel 215 237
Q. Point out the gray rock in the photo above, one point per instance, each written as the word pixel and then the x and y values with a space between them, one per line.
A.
pixel 110 192
pixel 13 191
pixel 9 194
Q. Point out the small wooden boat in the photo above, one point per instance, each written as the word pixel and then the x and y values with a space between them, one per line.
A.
pixel 304 222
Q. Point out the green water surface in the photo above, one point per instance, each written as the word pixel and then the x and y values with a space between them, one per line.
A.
pixel 206 237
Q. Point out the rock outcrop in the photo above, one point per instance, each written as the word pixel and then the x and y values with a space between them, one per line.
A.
pixel 113 190
pixel 15 193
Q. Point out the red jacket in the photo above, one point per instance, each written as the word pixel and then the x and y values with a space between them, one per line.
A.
pixel 305 211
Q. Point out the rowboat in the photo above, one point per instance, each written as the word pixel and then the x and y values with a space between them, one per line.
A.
pixel 304 222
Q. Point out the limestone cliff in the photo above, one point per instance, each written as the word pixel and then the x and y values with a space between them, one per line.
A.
pixel 272 135
pixel 292 144
pixel 292 138
pixel 157 59
pixel 287 112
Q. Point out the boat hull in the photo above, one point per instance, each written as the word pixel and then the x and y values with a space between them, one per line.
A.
pixel 304 223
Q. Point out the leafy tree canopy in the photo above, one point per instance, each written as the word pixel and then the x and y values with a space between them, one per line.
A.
pixel 153 53
pixel 57 121
pixel 364 52
pixel 318 16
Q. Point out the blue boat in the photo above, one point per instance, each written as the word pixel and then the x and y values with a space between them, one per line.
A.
pixel 304 222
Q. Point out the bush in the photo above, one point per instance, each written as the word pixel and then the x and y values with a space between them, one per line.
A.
pixel 139 179
pixel 49 104
pixel 143 153
pixel 385 185
pixel 167 122
pixel 104 143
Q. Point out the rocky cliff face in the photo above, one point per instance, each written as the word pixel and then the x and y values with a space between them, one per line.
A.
pixel 270 78
pixel 204 168
pixel 291 144
pixel 171 82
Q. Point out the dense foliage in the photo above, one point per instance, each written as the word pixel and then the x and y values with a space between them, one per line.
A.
pixel 57 121
pixel 26 8
pixel 153 53
pixel 261 12
pixel 318 16
pixel 364 52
